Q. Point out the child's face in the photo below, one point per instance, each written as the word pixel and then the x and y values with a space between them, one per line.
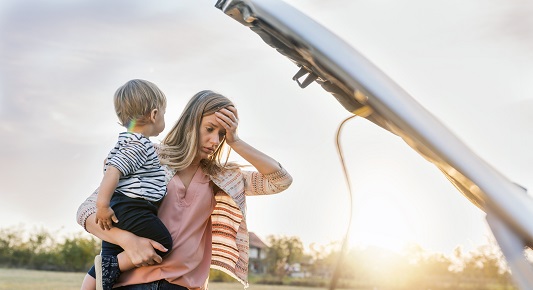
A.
pixel 159 125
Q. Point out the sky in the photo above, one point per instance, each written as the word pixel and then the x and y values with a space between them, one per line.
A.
pixel 468 63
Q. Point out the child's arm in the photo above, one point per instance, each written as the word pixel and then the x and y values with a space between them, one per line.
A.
pixel 105 216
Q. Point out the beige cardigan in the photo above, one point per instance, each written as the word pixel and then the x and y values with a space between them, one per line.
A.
pixel 230 246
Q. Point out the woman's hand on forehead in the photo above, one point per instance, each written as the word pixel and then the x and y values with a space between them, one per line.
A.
pixel 231 109
pixel 228 119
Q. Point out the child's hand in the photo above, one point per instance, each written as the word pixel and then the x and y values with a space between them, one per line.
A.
pixel 105 216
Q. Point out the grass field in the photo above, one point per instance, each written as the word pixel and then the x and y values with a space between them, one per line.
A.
pixel 18 279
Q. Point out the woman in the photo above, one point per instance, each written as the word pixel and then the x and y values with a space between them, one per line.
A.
pixel 205 206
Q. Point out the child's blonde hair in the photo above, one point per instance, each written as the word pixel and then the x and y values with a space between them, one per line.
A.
pixel 135 100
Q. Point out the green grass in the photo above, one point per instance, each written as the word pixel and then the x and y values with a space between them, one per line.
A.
pixel 238 286
pixel 19 279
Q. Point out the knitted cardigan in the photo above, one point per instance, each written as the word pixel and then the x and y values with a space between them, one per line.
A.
pixel 230 245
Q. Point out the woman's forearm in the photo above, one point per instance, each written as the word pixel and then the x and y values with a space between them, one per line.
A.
pixel 114 235
pixel 139 250
pixel 228 118
pixel 86 209
pixel 262 162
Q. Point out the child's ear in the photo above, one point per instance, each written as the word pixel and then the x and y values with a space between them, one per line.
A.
pixel 153 114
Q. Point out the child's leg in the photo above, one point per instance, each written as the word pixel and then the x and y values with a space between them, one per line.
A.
pixel 89 283
pixel 139 217
pixel 124 262
pixel 106 266
pixel 113 261
pixel 153 229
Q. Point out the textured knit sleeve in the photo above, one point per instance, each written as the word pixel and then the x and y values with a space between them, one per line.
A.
pixel 260 184
pixel 87 208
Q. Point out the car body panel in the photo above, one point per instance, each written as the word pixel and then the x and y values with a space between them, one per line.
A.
pixel 361 88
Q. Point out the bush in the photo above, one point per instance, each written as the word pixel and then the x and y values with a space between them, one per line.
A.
pixel 268 280
pixel 308 282
pixel 41 251
pixel 77 253
pixel 219 276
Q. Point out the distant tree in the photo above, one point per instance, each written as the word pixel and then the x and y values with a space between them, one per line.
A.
pixel 323 258
pixel 77 253
pixel 9 241
pixel 428 270
pixel 486 265
pixel 281 253
pixel 40 250
pixel 34 251
pixel 17 251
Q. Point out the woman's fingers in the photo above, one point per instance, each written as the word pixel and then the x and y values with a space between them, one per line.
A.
pixel 230 112
pixel 228 117
pixel 222 119
pixel 158 246
pixel 234 111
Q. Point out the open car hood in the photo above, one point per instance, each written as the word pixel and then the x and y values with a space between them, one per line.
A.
pixel 362 89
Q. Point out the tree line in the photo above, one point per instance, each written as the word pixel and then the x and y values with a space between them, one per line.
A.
pixel 42 250
pixel 288 262
pixel 375 268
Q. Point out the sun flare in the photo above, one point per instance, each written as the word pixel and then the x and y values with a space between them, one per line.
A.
pixel 379 221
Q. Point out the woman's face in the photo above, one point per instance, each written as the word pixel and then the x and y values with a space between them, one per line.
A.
pixel 211 134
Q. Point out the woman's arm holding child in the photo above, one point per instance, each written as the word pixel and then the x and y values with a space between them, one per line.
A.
pixel 140 250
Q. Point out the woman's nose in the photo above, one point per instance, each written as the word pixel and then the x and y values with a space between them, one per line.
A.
pixel 215 140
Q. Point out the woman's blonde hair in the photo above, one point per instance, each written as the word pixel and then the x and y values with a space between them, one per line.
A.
pixel 180 145
pixel 135 100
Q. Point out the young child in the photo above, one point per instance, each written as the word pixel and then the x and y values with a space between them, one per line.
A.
pixel 134 181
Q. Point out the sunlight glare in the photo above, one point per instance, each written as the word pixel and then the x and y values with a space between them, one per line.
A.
pixel 379 221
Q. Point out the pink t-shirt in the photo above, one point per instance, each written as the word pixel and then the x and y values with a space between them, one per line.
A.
pixel 187 215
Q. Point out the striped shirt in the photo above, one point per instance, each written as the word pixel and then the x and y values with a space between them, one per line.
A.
pixel 142 175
